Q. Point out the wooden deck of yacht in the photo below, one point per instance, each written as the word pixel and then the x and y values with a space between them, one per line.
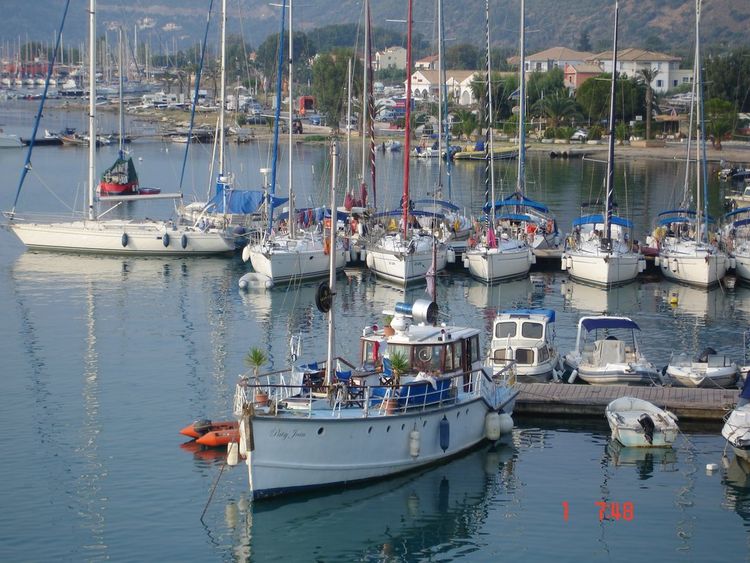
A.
pixel 557 399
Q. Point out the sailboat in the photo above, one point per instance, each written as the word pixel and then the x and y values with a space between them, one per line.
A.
pixel 533 217
pixel 404 256
pixel 685 254
pixel 293 253
pixel 235 210
pixel 507 256
pixel 113 236
pixel 422 401
pixel 601 253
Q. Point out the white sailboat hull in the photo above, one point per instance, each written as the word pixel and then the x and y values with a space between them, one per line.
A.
pixel 694 265
pixel 496 264
pixel 603 269
pixel 403 263
pixel 294 264
pixel 701 374
pixel 296 452
pixel 736 430
pixel 121 237
pixel 742 265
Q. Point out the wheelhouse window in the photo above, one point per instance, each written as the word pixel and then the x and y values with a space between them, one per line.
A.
pixel 524 356
pixel 543 354
pixel 505 330
pixel 532 330
pixel 502 355
pixel 428 357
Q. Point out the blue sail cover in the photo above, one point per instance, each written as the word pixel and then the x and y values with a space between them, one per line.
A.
pixel 549 313
pixel 415 213
pixel 737 212
pixel 235 201
pixel 598 218
pixel 608 322
pixel 516 217
pixel 517 200
pixel 439 203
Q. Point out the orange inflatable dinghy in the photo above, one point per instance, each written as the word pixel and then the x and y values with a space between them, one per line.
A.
pixel 203 426
pixel 218 438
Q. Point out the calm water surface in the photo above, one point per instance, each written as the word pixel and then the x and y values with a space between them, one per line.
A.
pixel 106 358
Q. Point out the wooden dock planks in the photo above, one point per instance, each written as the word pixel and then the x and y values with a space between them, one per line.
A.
pixel 556 399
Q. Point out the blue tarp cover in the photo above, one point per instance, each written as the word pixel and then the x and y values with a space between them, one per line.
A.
pixel 238 201
pixel 517 200
pixel 598 218
pixel 439 203
pixel 690 212
pixel 516 217
pixel 608 322
pixel 737 212
pixel 549 313
pixel 415 213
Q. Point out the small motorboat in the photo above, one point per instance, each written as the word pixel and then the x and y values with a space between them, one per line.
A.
pixel 526 337
pixel 218 438
pixel 709 369
pixel 736 428
pixel 607 353
pixel 638 423
pixel 203 426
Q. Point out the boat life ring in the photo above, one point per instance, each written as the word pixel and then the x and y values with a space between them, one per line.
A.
pixel 184 241
pixel 531 228
pixel 124 239
pixel 165 239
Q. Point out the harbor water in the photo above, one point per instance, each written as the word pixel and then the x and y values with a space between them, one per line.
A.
pixel 106 358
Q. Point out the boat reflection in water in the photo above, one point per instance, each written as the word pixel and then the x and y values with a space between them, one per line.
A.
pixel 624 299
pixel 736 481
pixel 644 460
pixel 707 304
pixel 417 515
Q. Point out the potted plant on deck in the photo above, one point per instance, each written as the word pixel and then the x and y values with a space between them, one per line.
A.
pixel 256 359
pixel 399 365
pixel 387 328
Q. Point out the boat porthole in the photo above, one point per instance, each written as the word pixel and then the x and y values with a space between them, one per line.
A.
pixel 369 430
pixel 183 241
pixel 165 239
pixel 124 239
pixel 467 411
pixel 424 423
pixel 388 428
pixel 458 414
pixel 403 426
pixel 320 431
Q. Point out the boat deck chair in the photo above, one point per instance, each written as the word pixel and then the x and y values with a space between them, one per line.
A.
pixel 355 391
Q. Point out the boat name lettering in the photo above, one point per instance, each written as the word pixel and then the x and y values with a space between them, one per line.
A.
pixel 286 435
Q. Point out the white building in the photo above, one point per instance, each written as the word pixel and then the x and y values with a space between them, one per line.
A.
pixel 555 57
pixel 392 57
pixel 631 61
pixel 425 83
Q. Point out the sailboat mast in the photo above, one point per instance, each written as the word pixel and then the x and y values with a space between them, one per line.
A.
pixel 444 91
pixel 701 180
pixel 490 144
pixel 222 85
pixel 348 128
pixel 365 97
pixel 92 106
pixel 292 220
pixel 121 117
pixel 332 265
pixel 276 120
pixel 611 146
pixel 407 125
pixel 521 180
pixel 440 92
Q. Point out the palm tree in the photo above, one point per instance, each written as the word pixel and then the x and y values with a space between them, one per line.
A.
pixel 465 122
pixel 557 109
pixel 647 76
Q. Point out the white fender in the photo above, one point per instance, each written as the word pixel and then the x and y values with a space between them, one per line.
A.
pixel 414 443
pixel 233 454
pixel 506 423
pixel 492 426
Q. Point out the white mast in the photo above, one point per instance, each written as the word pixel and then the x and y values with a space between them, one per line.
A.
pixel 332 266
pixel 348 128
pixel 521 180
pixel 292 220
pixel 92 106
pixel 365 92
pixel 222 87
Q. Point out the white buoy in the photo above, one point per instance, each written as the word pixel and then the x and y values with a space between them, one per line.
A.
pixel 370 261
pixel 492 426
pixel 233 454
pixel 506 423
pixel 414 443
pixel 711 467
pixel 573 376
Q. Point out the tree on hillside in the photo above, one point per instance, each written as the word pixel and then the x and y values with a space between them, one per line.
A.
pixel 557 108
pixel 720 119
pixel 593 98
pixel 647 76
pixel 329 81
pixel 728 78
pixel 267 55
pixel 545 84
pixel 463 57
pixel 584 41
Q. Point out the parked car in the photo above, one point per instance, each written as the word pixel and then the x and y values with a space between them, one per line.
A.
pixel 579 135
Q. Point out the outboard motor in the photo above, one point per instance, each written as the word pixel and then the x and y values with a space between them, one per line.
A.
pixel 648 427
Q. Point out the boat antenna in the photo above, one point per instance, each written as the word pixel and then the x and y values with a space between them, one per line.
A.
pixel 50 66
